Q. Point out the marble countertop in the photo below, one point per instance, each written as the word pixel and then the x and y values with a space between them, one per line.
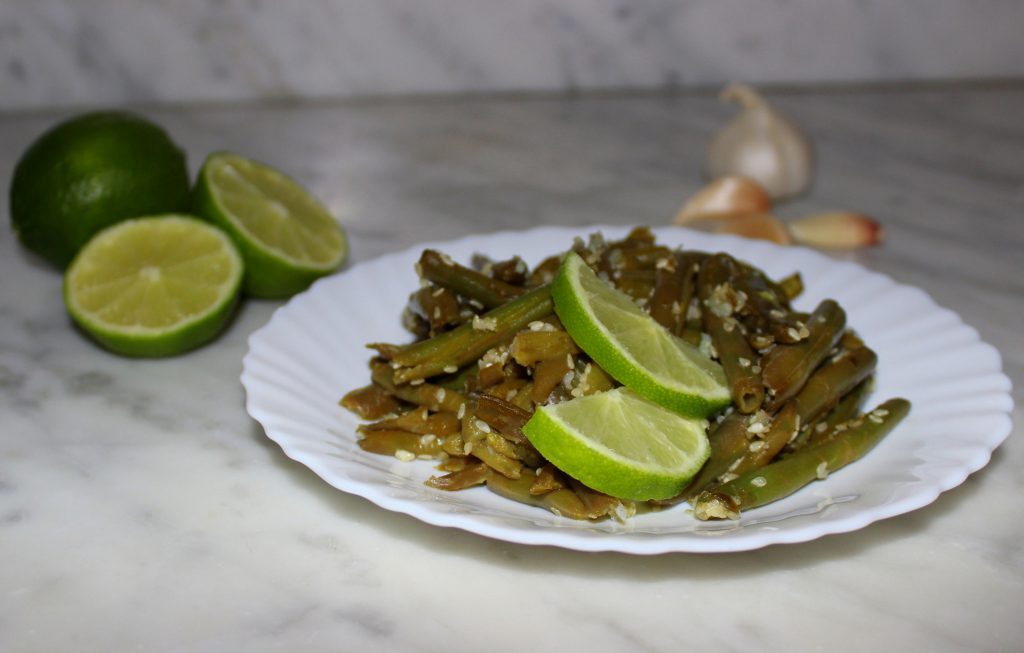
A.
pixel 142 509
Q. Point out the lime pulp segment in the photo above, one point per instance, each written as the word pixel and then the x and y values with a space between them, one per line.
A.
pixel 631 346
pixel 621 444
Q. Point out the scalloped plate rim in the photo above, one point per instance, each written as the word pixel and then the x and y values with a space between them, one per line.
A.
pixel 555 531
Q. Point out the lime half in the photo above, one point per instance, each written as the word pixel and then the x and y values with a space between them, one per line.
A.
pixel 287 237
pixel 621 444
pixel 154 286
pixel 631 346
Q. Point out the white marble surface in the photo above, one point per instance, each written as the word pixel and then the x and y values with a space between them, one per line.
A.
pixel 61 52
pixel 141 509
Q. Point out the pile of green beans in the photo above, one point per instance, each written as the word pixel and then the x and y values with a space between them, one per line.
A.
pixel 489 349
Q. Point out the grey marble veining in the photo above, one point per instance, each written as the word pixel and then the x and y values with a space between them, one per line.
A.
pixel 142 509
pixel 87 52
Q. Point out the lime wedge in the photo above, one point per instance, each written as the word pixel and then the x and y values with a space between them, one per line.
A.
pixel 631 346
pixel 154 286
pixel 621 444
pixel 287 237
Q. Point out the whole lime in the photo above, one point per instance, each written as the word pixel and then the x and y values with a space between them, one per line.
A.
pixel 90 172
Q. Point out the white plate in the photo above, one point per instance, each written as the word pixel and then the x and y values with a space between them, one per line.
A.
pixel 313 351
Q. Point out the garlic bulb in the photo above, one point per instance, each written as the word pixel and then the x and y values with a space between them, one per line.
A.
pixel 761 144
pixel 723 196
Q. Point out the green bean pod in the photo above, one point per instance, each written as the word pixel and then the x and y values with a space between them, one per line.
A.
pixel 784 477
pixel 734 352
pixel 467 342
pixel 786 368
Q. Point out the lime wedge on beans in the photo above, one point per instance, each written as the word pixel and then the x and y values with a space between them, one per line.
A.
pixel 621 444
pixel 631 346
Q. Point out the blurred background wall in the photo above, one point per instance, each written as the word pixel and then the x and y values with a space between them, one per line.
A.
pixel 86 52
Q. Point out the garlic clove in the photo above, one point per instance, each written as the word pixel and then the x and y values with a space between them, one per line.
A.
pixel 759 226
pixel 762 144
pixel 723 196
pixel 837 230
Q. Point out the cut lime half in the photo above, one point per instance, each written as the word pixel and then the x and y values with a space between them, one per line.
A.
pixel 154 286
pixel 631 346
pixel 287 237
pixel 621 444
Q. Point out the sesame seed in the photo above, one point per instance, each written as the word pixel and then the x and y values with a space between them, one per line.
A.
pixel 451 369
pixel 437 293
pixel 759 481
pixel 467 448
pixel 482 425
pixel 757 445
pixel 462 411
pixel 416 382
pixel 881 412
pixel 756 427
pixel 875 418
pixel 484 323
pixel 793 333
pixel 440 394
pixel 437 312
pixel 743 362
pixel 405 456
pixel 821 471
pixel 427 439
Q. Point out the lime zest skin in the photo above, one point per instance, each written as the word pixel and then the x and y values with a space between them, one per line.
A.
pixel 697 388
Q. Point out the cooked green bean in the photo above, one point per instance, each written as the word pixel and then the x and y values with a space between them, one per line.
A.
pixel 843 411
pixel 467 342
pixel 432 396
pixel 469 283
pixel 784 477
pixel 833 380
pixel 665 306
pixel 734 352
pixel 786 368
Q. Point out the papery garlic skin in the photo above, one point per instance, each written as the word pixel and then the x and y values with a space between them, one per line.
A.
pixel 762 144
pixel 725 196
